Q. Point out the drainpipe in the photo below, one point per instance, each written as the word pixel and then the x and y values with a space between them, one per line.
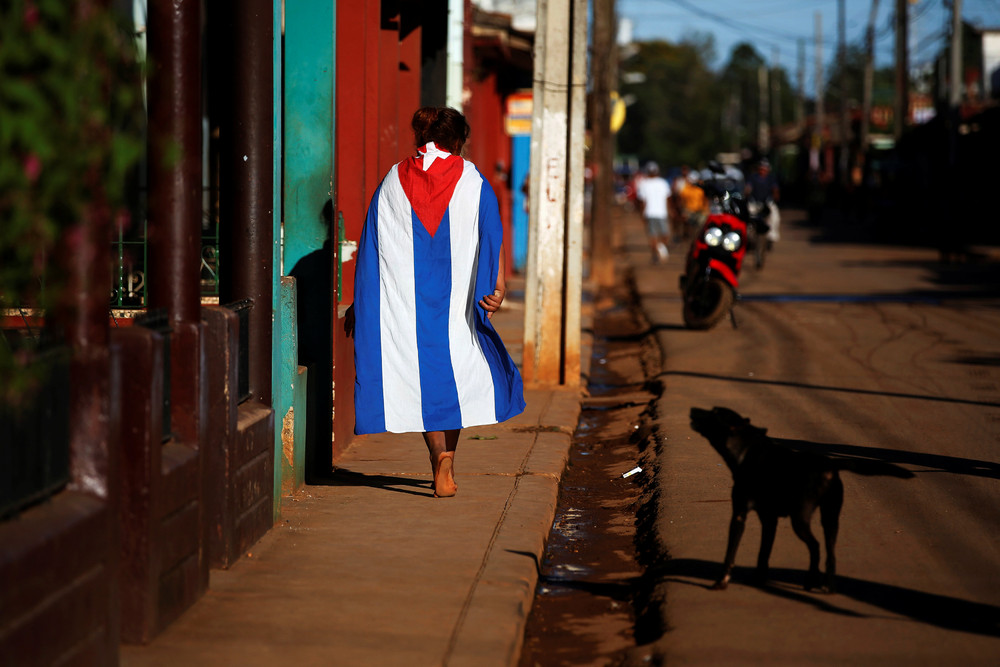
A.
pixel 454 74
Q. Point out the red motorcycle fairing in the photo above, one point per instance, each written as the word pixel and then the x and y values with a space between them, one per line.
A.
pixel 729 266
pixel 727 273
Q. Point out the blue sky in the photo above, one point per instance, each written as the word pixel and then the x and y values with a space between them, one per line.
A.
pixel 774 27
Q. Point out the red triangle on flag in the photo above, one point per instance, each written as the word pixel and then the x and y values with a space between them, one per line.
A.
pixel 429 192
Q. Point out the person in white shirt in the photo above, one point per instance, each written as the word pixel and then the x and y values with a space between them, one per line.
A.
pixel 652 193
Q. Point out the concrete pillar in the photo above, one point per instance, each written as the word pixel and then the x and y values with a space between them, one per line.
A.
pixel 552 278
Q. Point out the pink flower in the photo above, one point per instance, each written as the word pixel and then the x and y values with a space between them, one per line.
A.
pixel 31 15
pixel 123 220
pixel 32 167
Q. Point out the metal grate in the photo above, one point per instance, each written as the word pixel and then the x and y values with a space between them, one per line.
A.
pixel 34 434
pixel 242 309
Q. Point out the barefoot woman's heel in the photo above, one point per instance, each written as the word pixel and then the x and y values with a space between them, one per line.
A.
pixel 444 476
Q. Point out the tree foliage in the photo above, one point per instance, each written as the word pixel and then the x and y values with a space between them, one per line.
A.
pixel 70 108
pixel 683 112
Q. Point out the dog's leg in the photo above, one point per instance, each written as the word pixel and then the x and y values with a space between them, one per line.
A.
pixel 829 512
pixel 769 526
pixel 800 524
pixel 736 525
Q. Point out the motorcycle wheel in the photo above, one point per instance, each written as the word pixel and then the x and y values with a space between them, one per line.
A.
pixel 707 302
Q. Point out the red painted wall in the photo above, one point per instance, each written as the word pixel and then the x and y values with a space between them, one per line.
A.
pixel 378 89
pixel 351 97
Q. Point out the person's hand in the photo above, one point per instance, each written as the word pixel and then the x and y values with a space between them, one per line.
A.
pixel 491 302
pixel 349 321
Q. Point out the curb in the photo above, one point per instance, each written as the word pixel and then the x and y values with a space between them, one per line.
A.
pixel 490 627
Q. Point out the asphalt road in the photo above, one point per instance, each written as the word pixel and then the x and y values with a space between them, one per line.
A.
pixel 853 349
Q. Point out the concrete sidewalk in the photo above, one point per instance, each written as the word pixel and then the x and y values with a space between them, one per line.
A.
pixel 370 569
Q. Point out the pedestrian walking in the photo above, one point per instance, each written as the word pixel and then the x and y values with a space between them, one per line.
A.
pixel 428 278
pixel 693 205
pixel 652 193
pixel 762 188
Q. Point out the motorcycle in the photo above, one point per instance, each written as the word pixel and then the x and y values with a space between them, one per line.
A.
pixel 711 276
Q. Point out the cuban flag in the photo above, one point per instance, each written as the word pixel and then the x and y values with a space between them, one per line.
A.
pixel 427 357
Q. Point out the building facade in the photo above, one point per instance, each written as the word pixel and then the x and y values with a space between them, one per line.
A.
pixel 218 378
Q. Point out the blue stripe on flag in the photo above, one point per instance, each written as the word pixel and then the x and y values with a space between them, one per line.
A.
pixel 438 391
pixel 368 397
pixel 508 389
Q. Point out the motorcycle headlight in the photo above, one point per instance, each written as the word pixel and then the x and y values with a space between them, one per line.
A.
pixel 713 236
pixel 731 241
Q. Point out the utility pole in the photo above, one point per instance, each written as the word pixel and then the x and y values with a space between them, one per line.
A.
pixel 800 101
pixel 955 90
pixel 901 106
pixel 866 100
pixel 553 273
pixel 763 133
pixel 775 92
pixel 603 74
pixel 842 85
pixel 573 284
pixel 735 115
pixel 820 91
pixel 955 98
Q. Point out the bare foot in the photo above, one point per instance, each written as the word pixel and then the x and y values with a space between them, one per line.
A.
pixel 444 477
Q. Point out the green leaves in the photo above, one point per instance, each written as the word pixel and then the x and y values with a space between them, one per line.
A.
pixel 70 130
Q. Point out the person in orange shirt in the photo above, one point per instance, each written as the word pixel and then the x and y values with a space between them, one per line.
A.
pixel 694 205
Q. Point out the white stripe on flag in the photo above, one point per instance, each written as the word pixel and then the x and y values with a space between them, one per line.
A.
pixel 472 372
pixel 397 310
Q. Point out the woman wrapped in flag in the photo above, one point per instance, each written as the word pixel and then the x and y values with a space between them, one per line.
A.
pixel 429 276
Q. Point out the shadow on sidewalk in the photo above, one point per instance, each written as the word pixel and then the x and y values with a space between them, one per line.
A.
pixel 932 462
pixel 821 387
pixel 347 477
pixel 940 610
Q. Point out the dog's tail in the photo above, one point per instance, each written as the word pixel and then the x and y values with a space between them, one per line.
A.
pixel 872 468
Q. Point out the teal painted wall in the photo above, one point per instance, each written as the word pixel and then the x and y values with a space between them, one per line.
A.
pixel 289 412
pixel 279 335
pixel 309 73
pixel 307 163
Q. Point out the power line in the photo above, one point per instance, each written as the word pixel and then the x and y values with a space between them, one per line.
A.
pixel 729 22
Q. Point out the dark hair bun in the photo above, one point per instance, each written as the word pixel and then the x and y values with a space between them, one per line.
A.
pixel 445 126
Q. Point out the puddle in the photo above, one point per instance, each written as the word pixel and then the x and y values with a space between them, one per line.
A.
pixel 582 610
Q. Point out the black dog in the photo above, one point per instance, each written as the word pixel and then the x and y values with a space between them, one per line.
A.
pixel 776 481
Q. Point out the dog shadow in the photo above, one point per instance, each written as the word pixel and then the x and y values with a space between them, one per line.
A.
pixel 943 611
pixel 347 477
pixel 929 462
